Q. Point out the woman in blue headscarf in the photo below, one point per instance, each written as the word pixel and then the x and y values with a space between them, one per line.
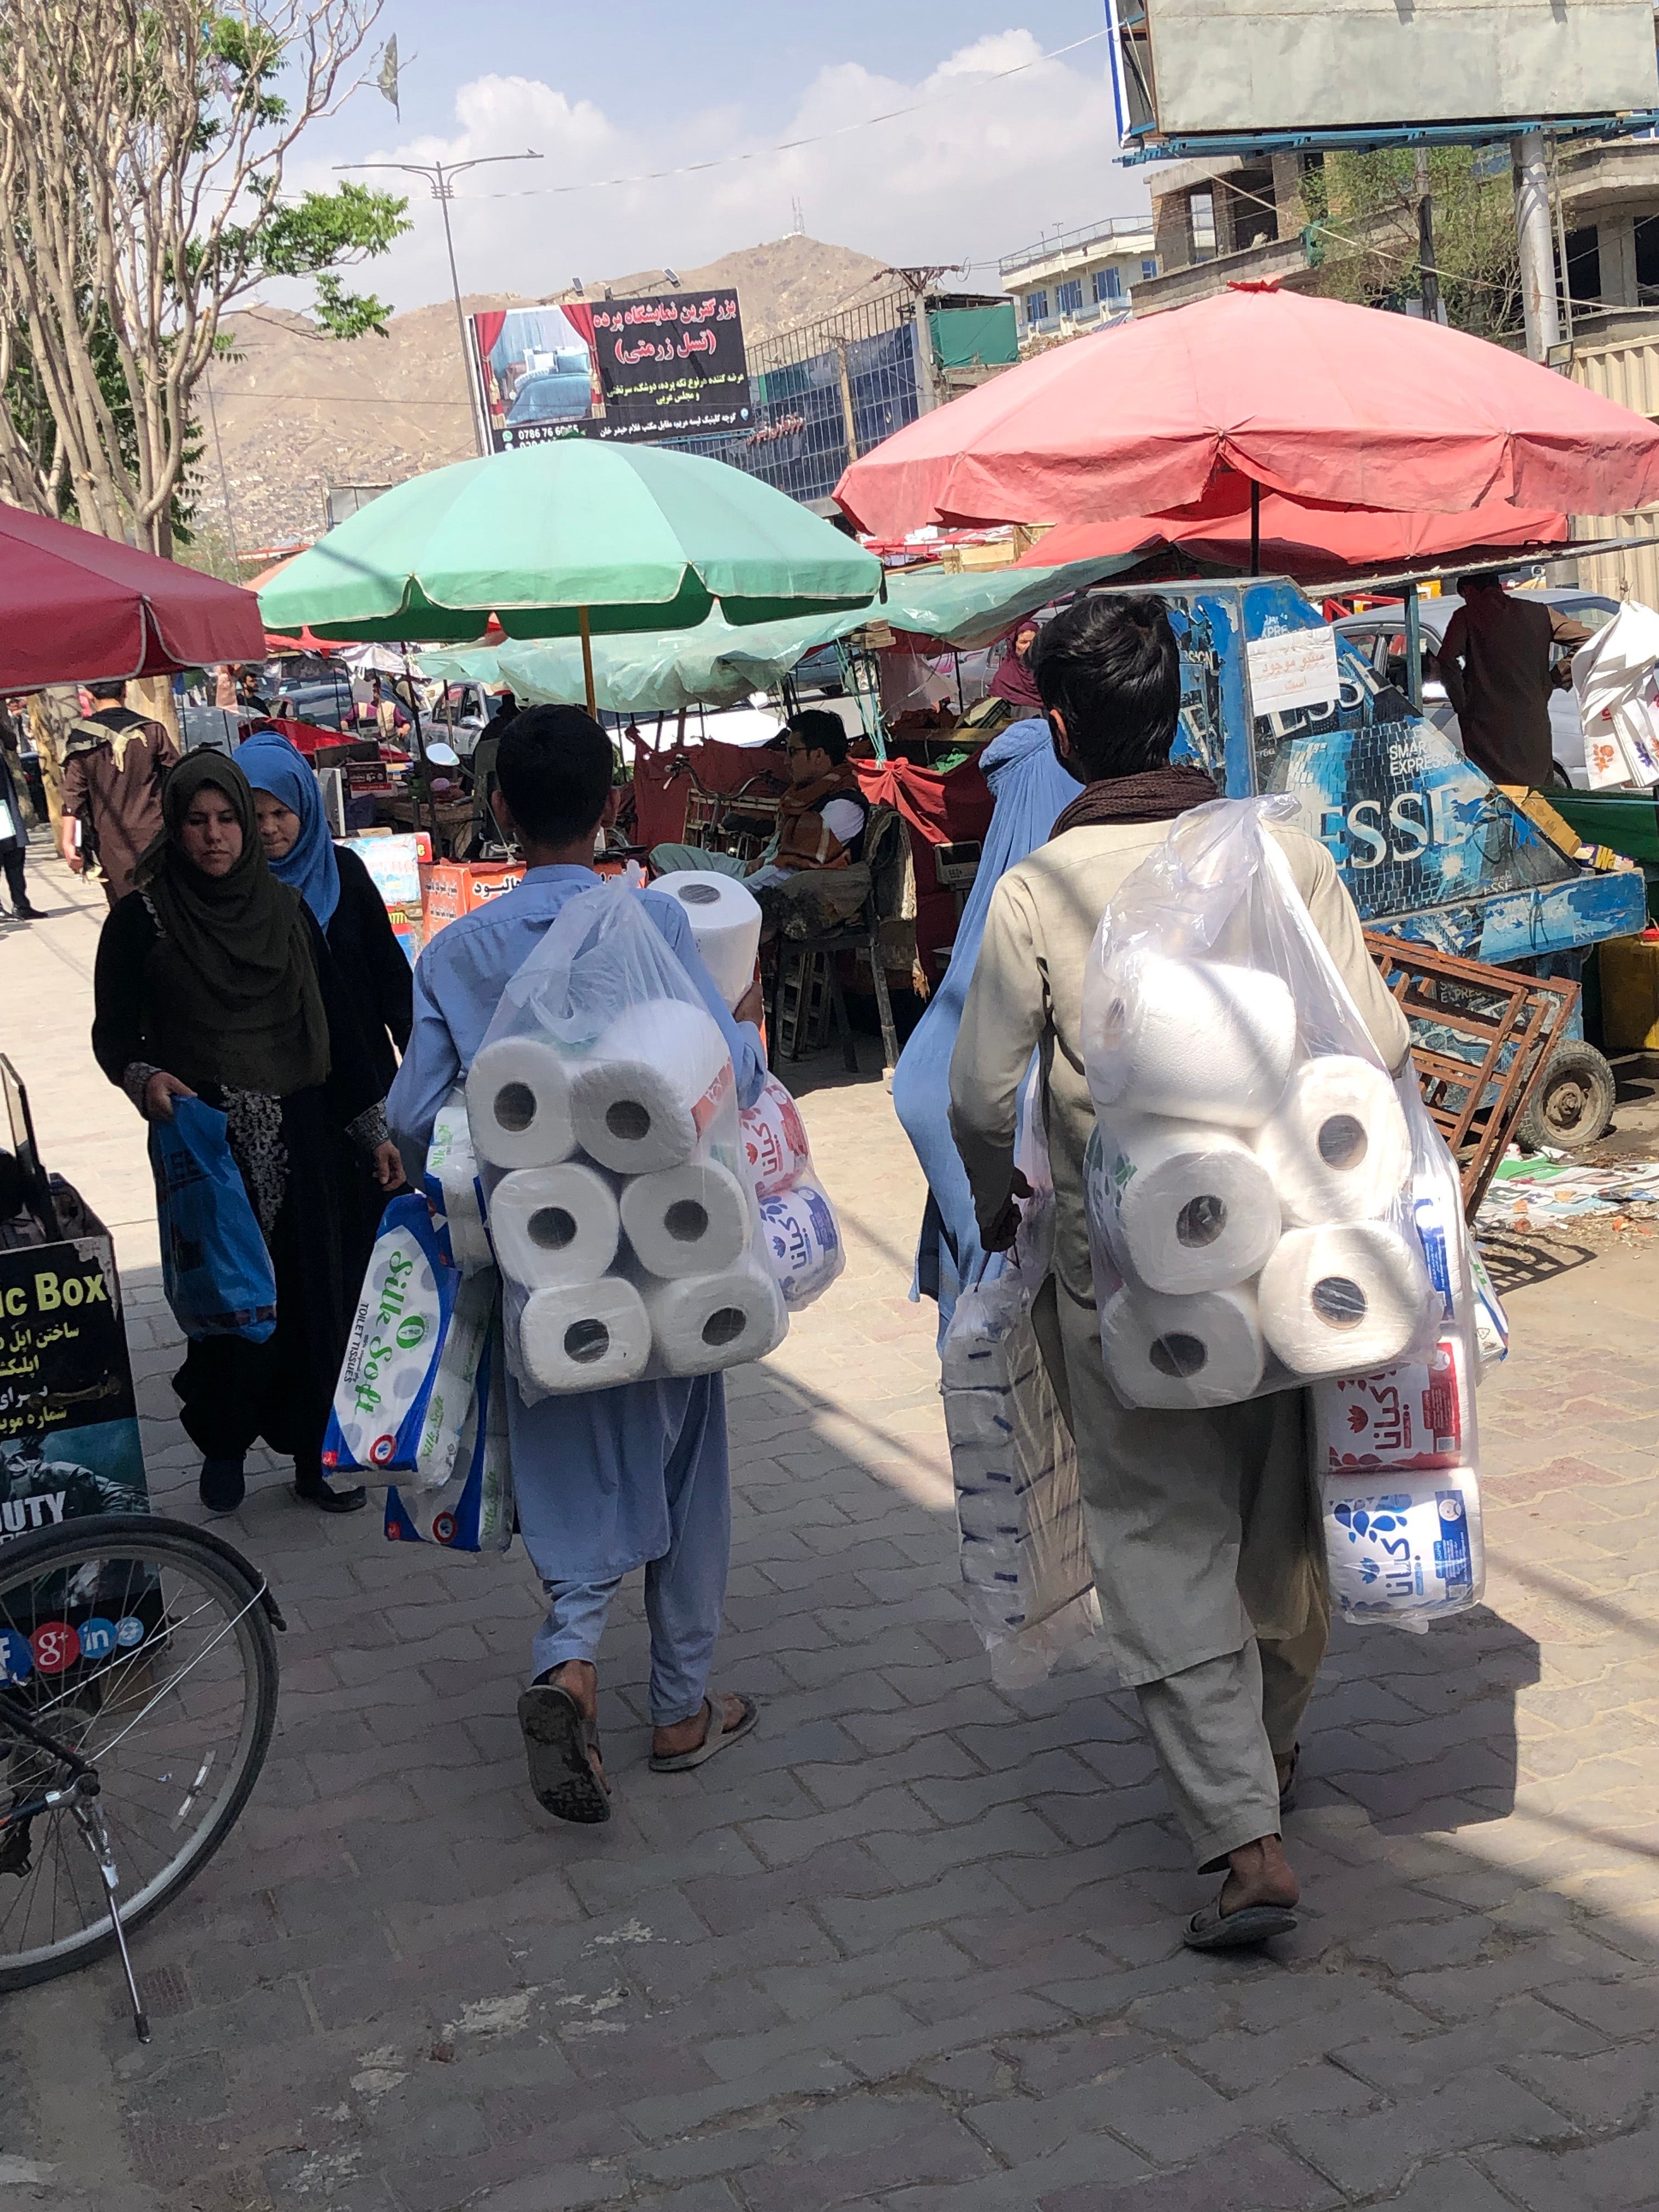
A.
pixel 341 894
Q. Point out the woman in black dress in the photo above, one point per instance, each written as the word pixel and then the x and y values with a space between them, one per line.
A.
pixel 374 971
pixel 214 980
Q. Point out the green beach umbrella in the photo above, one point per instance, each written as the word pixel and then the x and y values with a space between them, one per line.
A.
pixel 573 538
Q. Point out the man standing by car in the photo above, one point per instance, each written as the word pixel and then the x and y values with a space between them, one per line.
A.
pixel 1495 664
pixel 114 761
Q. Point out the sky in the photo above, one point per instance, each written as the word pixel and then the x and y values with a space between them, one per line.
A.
pixel 983 168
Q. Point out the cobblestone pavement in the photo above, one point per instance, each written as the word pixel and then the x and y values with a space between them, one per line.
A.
pixel 914 1945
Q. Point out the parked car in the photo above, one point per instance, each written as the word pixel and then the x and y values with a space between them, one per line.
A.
pixel 1380 635
pixel 560 394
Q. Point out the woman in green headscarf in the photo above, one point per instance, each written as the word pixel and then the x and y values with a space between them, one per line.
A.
pixel 213 981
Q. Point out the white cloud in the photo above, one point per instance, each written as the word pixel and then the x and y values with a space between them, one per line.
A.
pixel 980 170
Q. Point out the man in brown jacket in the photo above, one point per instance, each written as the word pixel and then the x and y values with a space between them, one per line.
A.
pixel 1494 661
pixel 1203 1529
pixel 114 763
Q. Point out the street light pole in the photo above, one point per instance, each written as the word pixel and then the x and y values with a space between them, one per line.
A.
pixel 440 176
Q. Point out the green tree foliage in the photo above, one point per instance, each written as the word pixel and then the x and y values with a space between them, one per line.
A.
pixel 1363 210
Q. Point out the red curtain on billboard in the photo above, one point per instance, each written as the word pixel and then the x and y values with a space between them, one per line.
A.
pixel 489 325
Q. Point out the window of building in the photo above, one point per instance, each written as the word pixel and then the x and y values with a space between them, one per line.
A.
pixel 1584 267
pixel 1036 306
pixel 1068 296
pixel 1201 217
pixel 1108 285
pixel 1149 268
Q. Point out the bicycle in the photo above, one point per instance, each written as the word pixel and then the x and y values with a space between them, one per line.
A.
pixel 137 1697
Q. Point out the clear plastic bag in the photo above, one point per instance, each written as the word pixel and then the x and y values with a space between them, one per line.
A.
pixel 1024 1549
pixel 802 1231
pixel 473 1511
pixel 602 1112
pixel 1249 1183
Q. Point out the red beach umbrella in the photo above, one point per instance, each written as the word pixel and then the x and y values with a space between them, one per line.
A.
pixel 75 605
pixel 1311 397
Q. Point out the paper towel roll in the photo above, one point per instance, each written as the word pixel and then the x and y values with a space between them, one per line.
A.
pixel 686 1221
pixel 1206 1350
pixel 705 1321
pixel 653 1082
pixel 1198 1038
pixel 553 1225
pixel 1336 1145
pixel 1343 1299
pixel 517 1104
pixel 774 1140
pixel 1194 1208
pixel 803 1243
pixel 726 921
pixel 1399 1545
pixel 584 1336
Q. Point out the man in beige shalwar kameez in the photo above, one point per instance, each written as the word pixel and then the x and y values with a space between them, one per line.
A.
pixel 1203 1527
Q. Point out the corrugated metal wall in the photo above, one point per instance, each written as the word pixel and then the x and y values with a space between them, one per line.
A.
pixel 1626 370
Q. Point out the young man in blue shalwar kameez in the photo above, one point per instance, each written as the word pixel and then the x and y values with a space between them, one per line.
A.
pixel 607 1480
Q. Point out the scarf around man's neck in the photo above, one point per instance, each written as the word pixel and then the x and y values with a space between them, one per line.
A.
pixel 1158 794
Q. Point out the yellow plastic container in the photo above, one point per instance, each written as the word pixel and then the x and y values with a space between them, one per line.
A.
pixel 1630 994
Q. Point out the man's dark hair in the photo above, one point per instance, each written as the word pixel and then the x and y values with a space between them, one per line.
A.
pixel 1488 580
pixel 108 687
pixel 821 732
pixel 554 769
pixel 1112 668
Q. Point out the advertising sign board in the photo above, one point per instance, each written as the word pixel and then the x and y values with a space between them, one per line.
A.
pixel 534 367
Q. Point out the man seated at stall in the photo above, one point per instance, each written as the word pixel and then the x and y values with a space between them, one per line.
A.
pixel 822 817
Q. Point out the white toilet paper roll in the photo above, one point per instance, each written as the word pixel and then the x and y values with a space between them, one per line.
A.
pixel 702 1322
pixel 553 1225
pixel 1206 1350
pixel 686 1221
pixel 1403 1544
pixel 1198 1038
pixel 1336 1145
pixel 803 1243
pixel 452 1184
pixel 653 1082
pixel 1343 1299
pixel 584 1336
pixel 1193 1208
pixel 517 1104
pixel 726 921
pixel 774 1140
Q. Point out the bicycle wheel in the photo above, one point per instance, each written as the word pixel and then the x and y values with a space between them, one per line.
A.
pixel 146 1647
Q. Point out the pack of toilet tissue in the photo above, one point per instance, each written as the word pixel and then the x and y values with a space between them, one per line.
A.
pixel 1266 1206
pixel 452 1186
pixel 1023 1551
pixel 798 1225
pixel 473 1511
pixel 411 1357
pixel 619 1201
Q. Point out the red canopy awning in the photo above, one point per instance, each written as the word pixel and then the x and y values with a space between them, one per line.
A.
pixel 1311 397
pixel 74 606
pixel 1314 543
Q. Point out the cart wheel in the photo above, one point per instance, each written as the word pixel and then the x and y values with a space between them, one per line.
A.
pixel 1574 1102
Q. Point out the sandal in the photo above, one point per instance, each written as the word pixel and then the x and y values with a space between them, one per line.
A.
pixel 1212 1929
pixel 562 1745
pixel 713 1739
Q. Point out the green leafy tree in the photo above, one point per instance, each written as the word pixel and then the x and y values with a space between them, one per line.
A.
pixel 1364 232
pixel 143 146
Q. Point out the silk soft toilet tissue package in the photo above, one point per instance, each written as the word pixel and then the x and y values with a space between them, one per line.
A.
pixel 450 1183
pixel 1267 1204
pixel 618 1198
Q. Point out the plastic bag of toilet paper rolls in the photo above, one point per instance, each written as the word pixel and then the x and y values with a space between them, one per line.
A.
pixel 450 1183
pixel 473 1511
pixel 603 1110
pixel 1019 1514
pixel 1252 1180
pixel 412 1360
pixel 800 1227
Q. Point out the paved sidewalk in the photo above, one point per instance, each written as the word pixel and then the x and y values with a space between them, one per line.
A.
pixel 913 1946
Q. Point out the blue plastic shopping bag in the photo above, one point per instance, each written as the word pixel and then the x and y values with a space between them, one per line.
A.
pixel 215 1270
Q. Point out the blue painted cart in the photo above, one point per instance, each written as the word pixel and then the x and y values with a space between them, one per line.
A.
pixel 1429 848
